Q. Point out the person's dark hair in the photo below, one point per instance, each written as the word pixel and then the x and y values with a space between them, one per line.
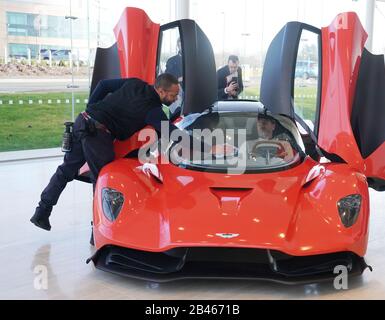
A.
pixel 233 58
pixel 265 116
pixel 165 81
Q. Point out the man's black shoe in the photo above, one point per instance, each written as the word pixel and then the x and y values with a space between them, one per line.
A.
pixel 40 220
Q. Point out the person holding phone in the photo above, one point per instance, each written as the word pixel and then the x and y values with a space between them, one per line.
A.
pixel 229 77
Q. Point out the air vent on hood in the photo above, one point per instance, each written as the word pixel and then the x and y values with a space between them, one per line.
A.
pixel 230 199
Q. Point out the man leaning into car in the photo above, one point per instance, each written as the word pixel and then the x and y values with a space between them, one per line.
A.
pixel 118 116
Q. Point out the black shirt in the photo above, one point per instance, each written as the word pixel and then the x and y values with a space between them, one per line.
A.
pixel 129 109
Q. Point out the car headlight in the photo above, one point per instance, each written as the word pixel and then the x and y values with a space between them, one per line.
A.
pixel 349 208
pixel 112 202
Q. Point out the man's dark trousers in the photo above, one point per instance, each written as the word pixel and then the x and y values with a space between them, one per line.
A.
pixel 96 149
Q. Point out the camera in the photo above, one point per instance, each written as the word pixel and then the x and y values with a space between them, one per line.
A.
pixel 234 79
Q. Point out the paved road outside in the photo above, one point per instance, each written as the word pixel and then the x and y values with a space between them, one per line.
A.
pixel 41 85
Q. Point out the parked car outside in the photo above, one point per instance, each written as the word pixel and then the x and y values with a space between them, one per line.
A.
pixel 306 69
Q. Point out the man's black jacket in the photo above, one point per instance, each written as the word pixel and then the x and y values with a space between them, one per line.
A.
pixel 222 74
pixel 129 109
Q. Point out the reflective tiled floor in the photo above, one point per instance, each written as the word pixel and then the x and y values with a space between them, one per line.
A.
pixel 27 252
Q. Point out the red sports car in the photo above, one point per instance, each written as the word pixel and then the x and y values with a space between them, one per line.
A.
pixel 288 206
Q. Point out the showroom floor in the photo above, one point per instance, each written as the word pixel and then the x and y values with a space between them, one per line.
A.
pixel 26 252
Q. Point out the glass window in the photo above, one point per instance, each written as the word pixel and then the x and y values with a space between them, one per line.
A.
pixel 36 25
pixel 18 50
pixel 307 76
pixel 234 140
pixel 33 23
pixel 17 18
pixel 17 24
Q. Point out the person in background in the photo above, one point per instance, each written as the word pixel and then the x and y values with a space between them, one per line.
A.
pixel 229 77
pixel 174 64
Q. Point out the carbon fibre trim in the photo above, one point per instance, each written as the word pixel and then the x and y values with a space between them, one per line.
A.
pixel 225 263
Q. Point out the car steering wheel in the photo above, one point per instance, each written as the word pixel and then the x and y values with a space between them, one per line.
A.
pixel 268 148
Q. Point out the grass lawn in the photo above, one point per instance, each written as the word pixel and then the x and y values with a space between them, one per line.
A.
pixel 304 100
pixel 37 125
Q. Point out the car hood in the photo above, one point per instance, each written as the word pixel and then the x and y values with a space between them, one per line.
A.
pixel 192 208
pixel 219 209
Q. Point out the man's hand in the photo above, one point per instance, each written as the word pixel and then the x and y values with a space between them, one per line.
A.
pixel 232 89
pixel 287 153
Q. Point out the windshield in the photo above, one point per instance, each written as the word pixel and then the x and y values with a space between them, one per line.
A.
pixel 238 142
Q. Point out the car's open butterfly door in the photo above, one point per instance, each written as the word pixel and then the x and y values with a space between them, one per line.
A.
pixel 327 81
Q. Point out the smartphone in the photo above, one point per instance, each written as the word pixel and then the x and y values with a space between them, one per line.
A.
pixel 234 79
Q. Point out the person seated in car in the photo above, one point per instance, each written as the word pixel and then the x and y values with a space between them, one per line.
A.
pixel 267 130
